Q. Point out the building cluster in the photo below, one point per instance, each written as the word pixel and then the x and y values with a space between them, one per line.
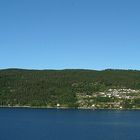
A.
pixel 111 98
pixel 120 93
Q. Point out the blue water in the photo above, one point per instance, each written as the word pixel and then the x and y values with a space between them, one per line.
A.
pixel 53 124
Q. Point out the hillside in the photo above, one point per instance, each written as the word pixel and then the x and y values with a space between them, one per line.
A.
pixel 68 88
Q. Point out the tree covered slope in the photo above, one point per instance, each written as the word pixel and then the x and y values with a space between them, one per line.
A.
pixel 52 87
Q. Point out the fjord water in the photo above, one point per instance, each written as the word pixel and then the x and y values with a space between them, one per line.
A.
pixel 57 124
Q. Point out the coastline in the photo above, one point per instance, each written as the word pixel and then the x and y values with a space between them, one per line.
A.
pixel 78 108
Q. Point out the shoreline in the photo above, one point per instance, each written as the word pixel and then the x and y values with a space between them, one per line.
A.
pixel 68 108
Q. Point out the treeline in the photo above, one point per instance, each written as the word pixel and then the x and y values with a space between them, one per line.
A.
pixel 52 87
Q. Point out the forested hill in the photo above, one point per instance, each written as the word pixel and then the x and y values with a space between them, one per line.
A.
pixel 52 87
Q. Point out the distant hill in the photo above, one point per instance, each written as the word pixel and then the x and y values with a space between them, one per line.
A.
pixel 51 87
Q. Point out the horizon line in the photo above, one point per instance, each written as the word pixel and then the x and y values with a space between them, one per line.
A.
pixel 16 68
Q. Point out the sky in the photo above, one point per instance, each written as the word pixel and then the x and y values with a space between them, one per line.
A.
pixel 70 34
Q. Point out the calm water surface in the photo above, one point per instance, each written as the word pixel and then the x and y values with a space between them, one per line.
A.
pixel 53 124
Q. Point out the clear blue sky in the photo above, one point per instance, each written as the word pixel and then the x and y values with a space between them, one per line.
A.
pixel 59 34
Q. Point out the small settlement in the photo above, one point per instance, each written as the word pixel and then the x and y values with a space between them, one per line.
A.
pixel 109 99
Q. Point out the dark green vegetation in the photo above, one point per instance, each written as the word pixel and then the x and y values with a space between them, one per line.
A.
pixel 51 87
